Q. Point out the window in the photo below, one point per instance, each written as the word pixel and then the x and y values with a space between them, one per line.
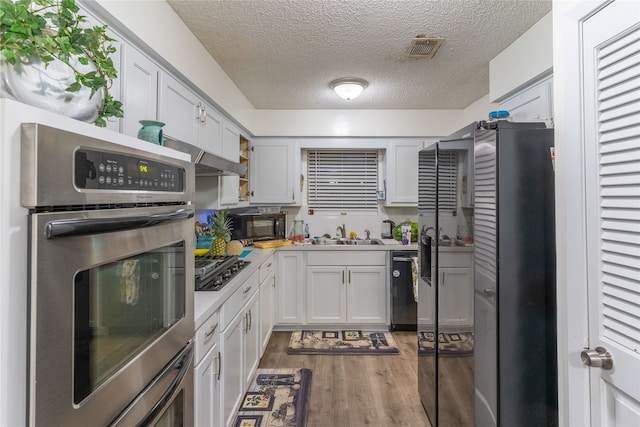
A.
pixel 447 181
pixel 342 180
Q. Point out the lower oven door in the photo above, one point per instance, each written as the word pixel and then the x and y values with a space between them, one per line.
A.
pixel 111 303
pixel 165 402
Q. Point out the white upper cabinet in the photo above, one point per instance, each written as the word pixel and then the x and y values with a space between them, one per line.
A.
pixel 533 104
pixel 139 89
pixel 230 185
pixel 179 109
pixel 402 173
pixel 188 118
pixel 116 90
pixel 210 129
pixel 273 170
pixel 230 141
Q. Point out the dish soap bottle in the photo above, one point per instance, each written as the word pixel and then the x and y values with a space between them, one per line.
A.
pixel 306 231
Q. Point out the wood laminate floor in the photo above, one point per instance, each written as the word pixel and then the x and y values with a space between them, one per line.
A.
pixel 356 391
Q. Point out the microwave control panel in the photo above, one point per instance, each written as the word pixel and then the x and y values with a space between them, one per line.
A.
pixel 100 170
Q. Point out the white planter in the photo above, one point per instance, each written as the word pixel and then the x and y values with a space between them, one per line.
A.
pixel 45 87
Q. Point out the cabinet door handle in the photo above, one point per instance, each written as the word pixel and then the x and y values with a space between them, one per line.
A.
pixel 349 276
pixel 199 113
pixel 250 320
pixel 211 331
pixel 204 114
pixel 247 289
pixel 219 366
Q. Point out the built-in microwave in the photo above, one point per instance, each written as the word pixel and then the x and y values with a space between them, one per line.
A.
pixel 259 226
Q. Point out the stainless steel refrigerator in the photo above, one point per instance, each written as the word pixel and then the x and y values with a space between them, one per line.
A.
pixel 486 291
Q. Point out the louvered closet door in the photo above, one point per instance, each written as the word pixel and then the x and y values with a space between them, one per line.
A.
pixel 612 153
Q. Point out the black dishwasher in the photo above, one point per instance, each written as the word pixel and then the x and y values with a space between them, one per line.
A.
pixel 404 308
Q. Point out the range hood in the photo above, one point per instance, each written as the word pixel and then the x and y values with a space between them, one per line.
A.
pixel 207 164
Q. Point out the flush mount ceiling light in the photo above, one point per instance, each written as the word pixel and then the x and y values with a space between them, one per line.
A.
pixel 348 87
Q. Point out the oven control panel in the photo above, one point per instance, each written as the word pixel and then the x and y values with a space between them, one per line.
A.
pixel 99 170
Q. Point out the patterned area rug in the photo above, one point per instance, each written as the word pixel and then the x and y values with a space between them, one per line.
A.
pixel 342 342
pixel 454 345
pixel 276 397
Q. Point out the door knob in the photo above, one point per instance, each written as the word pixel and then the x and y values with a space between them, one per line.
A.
pixel 489 292
pixel 598 358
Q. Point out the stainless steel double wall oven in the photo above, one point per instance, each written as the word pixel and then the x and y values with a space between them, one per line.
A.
pixel 110 282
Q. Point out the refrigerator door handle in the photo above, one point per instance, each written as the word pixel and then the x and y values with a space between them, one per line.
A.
pixel 489 292
pixel 425 258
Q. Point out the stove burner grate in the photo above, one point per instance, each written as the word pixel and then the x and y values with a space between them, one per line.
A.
pixel 212 273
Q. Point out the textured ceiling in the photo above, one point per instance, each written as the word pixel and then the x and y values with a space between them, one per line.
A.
pixel 282 54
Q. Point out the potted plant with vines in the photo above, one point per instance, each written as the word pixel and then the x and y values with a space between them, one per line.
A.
pixel 50 58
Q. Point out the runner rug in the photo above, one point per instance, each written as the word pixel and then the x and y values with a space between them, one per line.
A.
pixel 449 344
pixel 342 342
pixel 276 397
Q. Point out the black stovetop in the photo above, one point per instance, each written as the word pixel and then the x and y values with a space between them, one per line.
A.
pixel 212 273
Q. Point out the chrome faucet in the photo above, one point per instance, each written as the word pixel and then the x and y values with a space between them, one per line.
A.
pixel 342 231
pixel 368 233
pixel 427 229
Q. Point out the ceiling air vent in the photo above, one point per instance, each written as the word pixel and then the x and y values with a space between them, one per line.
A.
pixel 423 47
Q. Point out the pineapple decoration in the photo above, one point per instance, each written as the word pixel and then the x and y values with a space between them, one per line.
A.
pixel 221 228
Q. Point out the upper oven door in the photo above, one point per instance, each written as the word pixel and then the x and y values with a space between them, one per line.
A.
pixel 111 303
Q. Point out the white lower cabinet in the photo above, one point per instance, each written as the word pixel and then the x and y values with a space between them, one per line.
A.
pixel 367 294
pixel 267 302
pixel 290 288
pixel 455 288
pixel 355 293
pixel 231 371
pixel 252 338
pixel 207 389
pixel 207 373
pixel 239 346
pixel 326 294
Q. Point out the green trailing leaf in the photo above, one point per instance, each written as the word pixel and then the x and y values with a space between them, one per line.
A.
pixel 54 30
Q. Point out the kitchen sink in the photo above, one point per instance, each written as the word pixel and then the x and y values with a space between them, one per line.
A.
pixel 353 242
pixel 451 242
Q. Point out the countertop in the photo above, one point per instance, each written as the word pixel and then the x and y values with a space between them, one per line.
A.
pixel 207 302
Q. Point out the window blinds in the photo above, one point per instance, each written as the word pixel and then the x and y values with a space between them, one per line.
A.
pixel 342 180
pixel 447 182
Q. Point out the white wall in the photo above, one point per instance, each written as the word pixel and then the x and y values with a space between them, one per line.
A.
pixel 479 110
pixel 336 123
pixel 526 60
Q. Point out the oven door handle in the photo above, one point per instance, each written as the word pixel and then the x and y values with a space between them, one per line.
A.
pixel 83 227
pixel 134 415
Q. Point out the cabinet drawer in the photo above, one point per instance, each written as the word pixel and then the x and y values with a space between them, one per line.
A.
pixel 355 257
pixel 206 336
pixel 234 304
pixel 266 269
pixel 454 259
